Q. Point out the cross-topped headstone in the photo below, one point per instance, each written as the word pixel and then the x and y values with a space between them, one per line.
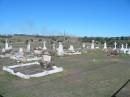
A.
pixel 122 47
pixel 126 46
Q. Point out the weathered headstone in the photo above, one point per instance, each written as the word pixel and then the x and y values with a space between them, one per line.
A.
pixel 83 45
pixel 126 46
pixel 115 46
pixel 105 46
pixel 71 48
pixel 122 49
pixel 28 47
pixel 44 46
pixel 128 51
pixel 60 50
pixel 6 45
pixel 3 50
pixel 92 45
pixel 53 47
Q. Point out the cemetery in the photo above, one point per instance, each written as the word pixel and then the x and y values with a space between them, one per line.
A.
pixel 65 48
pixel 57 70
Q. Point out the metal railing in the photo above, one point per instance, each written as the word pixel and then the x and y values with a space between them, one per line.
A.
pixel 115 94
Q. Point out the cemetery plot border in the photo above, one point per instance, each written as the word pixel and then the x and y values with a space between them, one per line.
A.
pixel 10 69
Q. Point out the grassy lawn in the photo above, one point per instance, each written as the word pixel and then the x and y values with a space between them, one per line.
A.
pixel 89 75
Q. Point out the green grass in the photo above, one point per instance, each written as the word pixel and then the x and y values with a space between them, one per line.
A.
pixel 89 75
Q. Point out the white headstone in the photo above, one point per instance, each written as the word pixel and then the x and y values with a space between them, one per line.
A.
pixel 126 46
pixel 6 45
pixel 20 50
pixel 54 48
pixel 44 46
pixel 3 50
pixel 83 45
pixel 60 50
pixel 46 58
pixel 122 49
pixel 92 45
pixel 71 48
pixel 20 53
pixel 128 51
pixel 105 45
pixel 28 47
pixel 115 44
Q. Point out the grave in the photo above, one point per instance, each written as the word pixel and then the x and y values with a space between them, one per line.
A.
pixel 115 46
pixel 34 69
pixel 6 51
pixel 71 48
pixel 128 51
pixel 71 51
pixel 53 47
pixel 83 45
pixel 20 56
pixel 105 46
pixel 122 50
pixel 60 50
pixel 92 45
pixel 44 46
pixel 28 47
pixel 37 51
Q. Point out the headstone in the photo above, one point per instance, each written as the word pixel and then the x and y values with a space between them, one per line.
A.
pixel 19 54
pixel 115 44
pixel 128 51
pixel 53 47
pixel 60 50
pixel 126 46
pixel 6 45
pixel 105 45
pixel 10 47
pixel 92 45
pixel 71 48
pixel 122 49
pixel 46 58
pixel 28 47
pixel 3 50
pixel 20 50
pixel 44 46
pixel 83 45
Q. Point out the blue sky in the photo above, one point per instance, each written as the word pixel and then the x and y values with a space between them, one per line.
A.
pixel 74 17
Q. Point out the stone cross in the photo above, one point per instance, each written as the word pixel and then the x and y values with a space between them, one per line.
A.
pixel 122 47
pixel 126 46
